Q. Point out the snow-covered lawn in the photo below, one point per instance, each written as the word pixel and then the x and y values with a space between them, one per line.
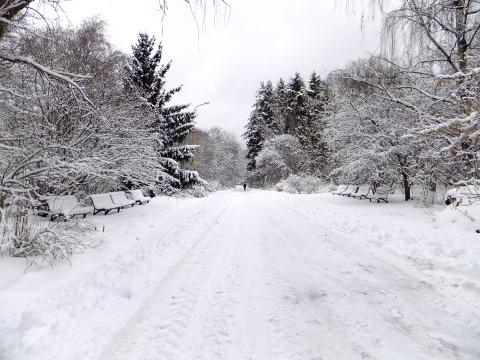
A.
pixel 253 275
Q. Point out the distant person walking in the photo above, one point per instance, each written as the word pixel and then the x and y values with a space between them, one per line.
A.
pixel 244 187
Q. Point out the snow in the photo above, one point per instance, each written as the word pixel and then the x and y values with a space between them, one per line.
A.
pixel 255 275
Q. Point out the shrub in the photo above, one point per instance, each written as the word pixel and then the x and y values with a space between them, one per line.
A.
pixel 296 184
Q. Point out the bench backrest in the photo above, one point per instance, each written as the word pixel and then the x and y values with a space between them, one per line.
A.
pixel 363 190
pixel 137 194
pixel 351 189
pixel 382 191
pixel 62 204
pixel 119 197
pixel 102 201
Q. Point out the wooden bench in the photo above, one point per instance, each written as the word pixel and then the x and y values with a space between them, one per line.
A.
pixel 137 195
pixel 362 192
pixel 380 194
pixel 119 198
pixel 340 189
pixel 66 206
pixel 103 202
pixel 352 189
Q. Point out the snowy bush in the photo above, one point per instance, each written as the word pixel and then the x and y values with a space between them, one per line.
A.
pixel 461 218
pixel 462 210
pixel 281 156
pixel 194 191
pixel 428 198
pixel 40 241
pixel 463 195
pixel 295 184
pixel 213 186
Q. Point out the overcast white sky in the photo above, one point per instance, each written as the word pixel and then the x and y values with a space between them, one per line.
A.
pixel 224 65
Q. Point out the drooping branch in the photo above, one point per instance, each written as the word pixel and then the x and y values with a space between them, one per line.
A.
pixel 66 78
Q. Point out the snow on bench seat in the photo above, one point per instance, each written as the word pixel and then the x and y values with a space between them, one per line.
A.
pixel 352 189
pixel 66 206
pixel 340 189
pixel 119 198
pixel 380 194
pixel 138 196
pixel 103 202
pixel 362 192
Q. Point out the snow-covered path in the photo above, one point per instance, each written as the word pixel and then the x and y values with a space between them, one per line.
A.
pixel 266 282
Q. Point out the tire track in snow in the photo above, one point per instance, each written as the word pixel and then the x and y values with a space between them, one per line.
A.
pixel 113 350
pixel 192 303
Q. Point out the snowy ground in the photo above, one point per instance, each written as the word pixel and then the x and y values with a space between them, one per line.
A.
pixel 253 275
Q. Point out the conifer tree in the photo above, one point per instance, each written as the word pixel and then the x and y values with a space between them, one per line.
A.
pixel 280 100
pixel 253 136
pixel 147 75
pixel 266 110
pixel 296 120
pixel 262 123
pixel 316 146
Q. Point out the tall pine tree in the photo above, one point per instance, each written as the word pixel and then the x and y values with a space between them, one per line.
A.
pixel 254 137
pixel 316 146
pixel 262 123
pixel 296 119
pixel 146 75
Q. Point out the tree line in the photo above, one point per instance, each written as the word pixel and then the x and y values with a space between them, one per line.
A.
pixel 408 115
pixel 285 129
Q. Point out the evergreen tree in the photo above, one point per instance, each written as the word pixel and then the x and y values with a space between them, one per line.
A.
pixel 280 100
pixel 315 146
pixel 295 110
pixel 266 111
pixel 254 139
pixel 296 119
pixel 262 123
pixel 147 75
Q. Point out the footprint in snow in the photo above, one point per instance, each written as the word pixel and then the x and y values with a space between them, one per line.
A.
pixel 377 342
pixel 396 313
pixel 362 324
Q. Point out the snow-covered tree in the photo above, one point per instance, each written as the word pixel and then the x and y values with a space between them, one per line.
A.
pixel 434 45
pixel 62 139
pixel 228 155
pixel 262 123
pixel 293 109
pixel 296 109
pixel 366 132
pixel 315 145
pixel 281 156
pixel 219 157
pixel 173 123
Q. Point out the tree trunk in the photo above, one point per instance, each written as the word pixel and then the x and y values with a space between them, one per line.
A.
pixel 460 29
pixel 8 10
pixel 406 186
